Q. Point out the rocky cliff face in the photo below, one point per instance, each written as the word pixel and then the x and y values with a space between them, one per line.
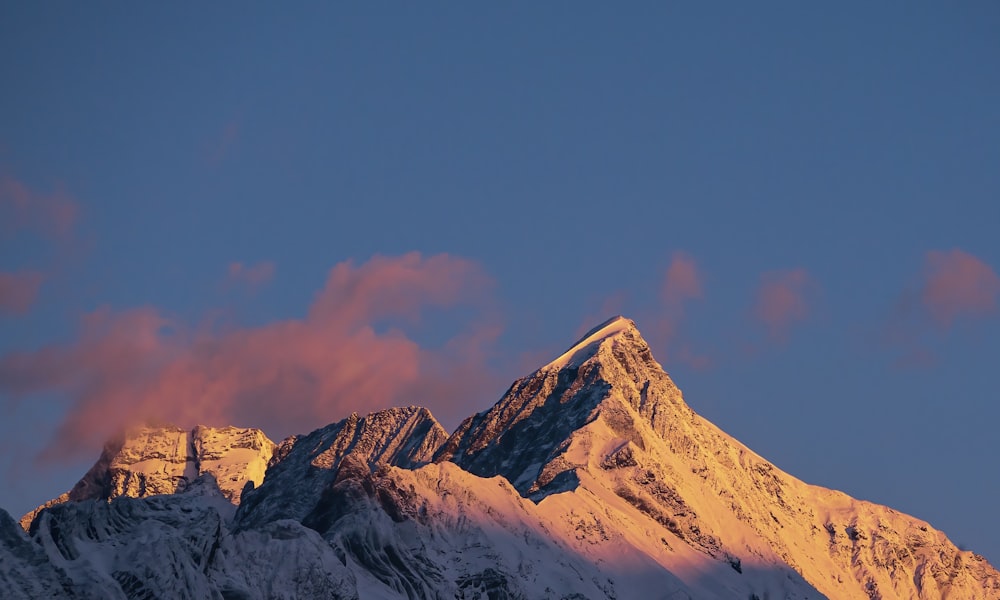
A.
pixel 146 461
pixel 590 478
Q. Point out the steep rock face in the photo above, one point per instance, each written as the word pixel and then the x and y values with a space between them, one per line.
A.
pixel 604 419
pixel 234 456
pixel 307 465
pixel 146 461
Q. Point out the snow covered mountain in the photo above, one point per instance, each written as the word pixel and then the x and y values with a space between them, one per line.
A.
pixel 606 420
pixel 590 478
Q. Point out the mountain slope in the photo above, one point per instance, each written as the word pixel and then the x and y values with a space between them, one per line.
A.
pixel 25 571
pixel 613 423
pixel 177 546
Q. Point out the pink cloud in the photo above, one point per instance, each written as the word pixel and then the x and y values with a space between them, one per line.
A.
pixel 18 291
pixel 287 376
pixel 251 275
pixel 682 283
pixel 782 300
pixel 52 215
pixel 953 285
pixel 958 284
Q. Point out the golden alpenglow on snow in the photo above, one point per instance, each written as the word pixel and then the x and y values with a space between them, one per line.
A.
pixel 590 478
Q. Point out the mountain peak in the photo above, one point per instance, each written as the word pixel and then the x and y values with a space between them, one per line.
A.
pixel 586 346
pixel 159 458
pixel 530 426
pixel 612 326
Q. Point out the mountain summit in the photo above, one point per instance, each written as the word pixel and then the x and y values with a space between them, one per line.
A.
pixel 589 478
pixel 608 375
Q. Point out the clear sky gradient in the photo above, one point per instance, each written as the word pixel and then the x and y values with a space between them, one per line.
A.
pixel 227 213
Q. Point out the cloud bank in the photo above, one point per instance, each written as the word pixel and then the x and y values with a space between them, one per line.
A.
pixel 349 353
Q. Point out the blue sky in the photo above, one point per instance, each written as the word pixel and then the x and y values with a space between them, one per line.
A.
pixel 798 205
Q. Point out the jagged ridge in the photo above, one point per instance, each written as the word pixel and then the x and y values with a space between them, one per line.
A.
pixel 401 437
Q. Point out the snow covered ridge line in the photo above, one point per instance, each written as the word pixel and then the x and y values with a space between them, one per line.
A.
pixel 589 478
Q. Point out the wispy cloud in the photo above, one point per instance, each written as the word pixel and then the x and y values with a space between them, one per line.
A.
pixel 953 286
pixel 782 300
pixel 18 291
pixel 682 283
pixel 350 353
pixel 252 276
pixel 53 214
pixel 52 217
pixel 957 284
